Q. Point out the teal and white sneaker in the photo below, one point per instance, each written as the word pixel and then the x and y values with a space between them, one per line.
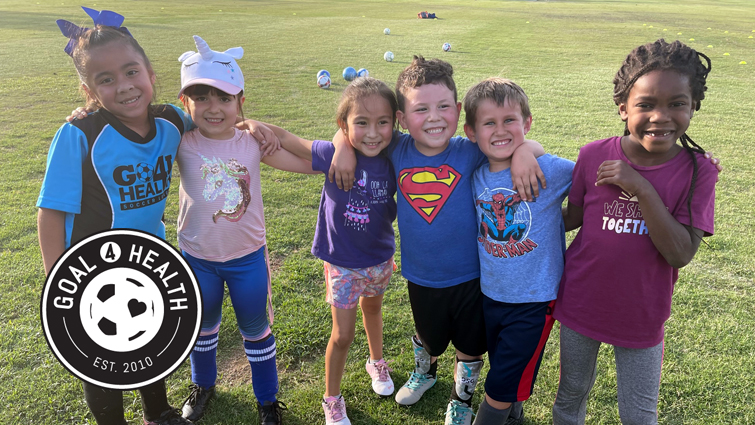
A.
pixel 419 381
pixel 458 413
pixel 412 391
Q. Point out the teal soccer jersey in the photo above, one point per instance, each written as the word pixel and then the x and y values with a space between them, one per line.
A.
pixel 104 176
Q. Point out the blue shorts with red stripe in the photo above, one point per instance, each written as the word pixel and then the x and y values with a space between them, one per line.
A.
pixel 516 335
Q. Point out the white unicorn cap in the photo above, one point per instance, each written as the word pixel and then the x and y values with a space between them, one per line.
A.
pixel 215 69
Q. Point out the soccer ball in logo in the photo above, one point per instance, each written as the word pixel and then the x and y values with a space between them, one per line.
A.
pixel 144 171
pixel 121 310
pixel 446 47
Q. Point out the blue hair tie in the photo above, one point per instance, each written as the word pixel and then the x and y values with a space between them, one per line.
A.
pixel 104 17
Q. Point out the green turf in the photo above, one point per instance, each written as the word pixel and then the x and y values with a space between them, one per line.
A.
pixel 563 53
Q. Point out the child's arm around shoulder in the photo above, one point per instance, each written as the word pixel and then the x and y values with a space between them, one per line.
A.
pixel 269 143
pixel 677 242
pixel 344 163
pixel 525 171
pixel 293 143
pixel 296 155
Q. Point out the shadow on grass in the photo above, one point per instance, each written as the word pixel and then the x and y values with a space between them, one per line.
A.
pixel 227 408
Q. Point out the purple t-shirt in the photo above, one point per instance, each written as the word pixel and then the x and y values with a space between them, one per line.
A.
pixel 354 228
pixel 617 287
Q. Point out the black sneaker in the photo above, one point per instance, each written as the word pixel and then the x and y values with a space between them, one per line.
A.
pixel 271 413
pixel 169 417
pixel 197 401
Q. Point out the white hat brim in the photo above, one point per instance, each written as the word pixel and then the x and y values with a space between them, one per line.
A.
pixel 221 85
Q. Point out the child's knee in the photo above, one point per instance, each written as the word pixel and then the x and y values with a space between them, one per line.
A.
pixel 371 306
pixel 255 334
pixel 257 337
pixel 210 323
pixel 253 327
pixel 342 338
pixel 575 384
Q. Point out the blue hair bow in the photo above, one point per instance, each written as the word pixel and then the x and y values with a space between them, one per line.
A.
pixel 104 17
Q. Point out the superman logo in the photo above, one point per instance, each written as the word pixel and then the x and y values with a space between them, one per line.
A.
pixel 427 189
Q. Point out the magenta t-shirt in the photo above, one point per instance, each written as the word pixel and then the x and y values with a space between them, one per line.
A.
pixel 617 287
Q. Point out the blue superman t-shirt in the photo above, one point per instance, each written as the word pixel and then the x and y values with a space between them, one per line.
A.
pixel 435 213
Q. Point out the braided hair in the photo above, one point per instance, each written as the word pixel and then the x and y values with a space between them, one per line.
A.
pixel 675 56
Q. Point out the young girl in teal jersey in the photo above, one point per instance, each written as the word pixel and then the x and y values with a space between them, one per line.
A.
pixel 83 191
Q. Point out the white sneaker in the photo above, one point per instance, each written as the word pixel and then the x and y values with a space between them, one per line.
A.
pixel 379 371
pixel 335 411
pixel 458 413
pixel 412 391
pixel 419 381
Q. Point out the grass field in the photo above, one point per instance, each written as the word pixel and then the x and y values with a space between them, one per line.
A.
pixel 563 53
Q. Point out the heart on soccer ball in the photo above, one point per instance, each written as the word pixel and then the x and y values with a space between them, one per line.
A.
pixel 136 307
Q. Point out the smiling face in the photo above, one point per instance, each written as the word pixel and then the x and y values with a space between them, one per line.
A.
pixel 431 115
pixel 214 112
pixel 498 130
pixel 121 81
pixel 369 125
pixel 657 111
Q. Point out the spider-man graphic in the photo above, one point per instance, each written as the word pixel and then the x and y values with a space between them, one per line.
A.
pixel 497 218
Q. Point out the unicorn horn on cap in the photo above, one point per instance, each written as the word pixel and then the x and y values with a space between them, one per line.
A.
pixel 213 68
pixel 203 49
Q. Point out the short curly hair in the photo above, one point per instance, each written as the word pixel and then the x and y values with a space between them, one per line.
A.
pixel 421 72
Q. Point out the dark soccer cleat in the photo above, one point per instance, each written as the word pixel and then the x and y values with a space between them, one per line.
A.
pixel 271 413
pixel 169 417
pixel 197 401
